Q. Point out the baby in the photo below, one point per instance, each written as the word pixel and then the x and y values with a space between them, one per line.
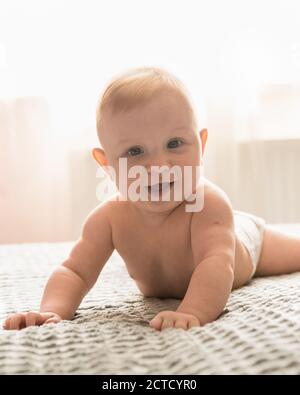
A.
pixel 146 118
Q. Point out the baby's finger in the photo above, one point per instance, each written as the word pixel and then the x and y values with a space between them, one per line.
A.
pixel 32 318
pixel 156 323
pixel 17 321
pixel 167 323
pixel 5 323
pixel 193 323
pixel 181 324
pixel 52 320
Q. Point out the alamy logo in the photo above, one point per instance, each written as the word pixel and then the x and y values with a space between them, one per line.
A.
pixel 163 183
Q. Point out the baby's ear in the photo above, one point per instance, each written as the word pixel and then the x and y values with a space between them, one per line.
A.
pixel 203 137
pixel 100 157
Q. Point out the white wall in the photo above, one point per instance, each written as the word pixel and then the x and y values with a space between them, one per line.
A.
pixel 47 189
pixel 57 55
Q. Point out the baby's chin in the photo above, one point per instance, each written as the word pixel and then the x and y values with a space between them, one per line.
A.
pixel 157 206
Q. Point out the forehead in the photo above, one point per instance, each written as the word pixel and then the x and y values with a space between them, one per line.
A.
pixel 167 110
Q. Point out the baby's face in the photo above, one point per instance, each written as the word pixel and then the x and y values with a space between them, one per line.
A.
pixel 160 133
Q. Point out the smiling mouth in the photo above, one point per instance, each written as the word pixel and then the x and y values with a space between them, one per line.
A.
pixel 160 187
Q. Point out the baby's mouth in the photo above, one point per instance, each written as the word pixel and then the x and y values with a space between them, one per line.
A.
pixel 160 187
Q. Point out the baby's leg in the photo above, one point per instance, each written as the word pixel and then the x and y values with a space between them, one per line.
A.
pixel 280 253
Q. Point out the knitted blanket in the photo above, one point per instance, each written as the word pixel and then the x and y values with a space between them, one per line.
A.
pixel 258 333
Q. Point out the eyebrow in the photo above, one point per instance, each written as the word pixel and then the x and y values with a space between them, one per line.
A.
pixel 129 140
pixel 181 127
pixel 123 142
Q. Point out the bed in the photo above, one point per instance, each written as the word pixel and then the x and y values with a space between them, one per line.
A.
pixel 258 332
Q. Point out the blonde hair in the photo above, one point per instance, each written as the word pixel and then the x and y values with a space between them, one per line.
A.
pixel 136 87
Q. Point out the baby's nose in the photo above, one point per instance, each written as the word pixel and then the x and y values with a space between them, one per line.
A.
pixel 159 161
pixel 157 172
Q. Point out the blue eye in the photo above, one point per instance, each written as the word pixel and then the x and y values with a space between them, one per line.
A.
pixel 134 151
pixel 175 143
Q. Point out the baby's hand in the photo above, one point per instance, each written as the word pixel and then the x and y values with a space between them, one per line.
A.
pixel 173 319
pixel 31 318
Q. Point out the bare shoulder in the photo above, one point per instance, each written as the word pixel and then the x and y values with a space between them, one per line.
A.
pixel 99 219
pixel 217 208
pixel 213 227
pixel 95 245
pixel 103 216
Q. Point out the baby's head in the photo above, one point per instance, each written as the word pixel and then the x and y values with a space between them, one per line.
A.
pixel 147 117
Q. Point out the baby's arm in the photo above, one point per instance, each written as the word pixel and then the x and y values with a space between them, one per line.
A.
pixel 71 281
pixel 213 244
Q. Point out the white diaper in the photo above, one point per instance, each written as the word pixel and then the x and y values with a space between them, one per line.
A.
pixel 250 230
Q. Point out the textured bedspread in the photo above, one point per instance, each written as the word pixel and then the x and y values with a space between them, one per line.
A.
pixel 258 333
